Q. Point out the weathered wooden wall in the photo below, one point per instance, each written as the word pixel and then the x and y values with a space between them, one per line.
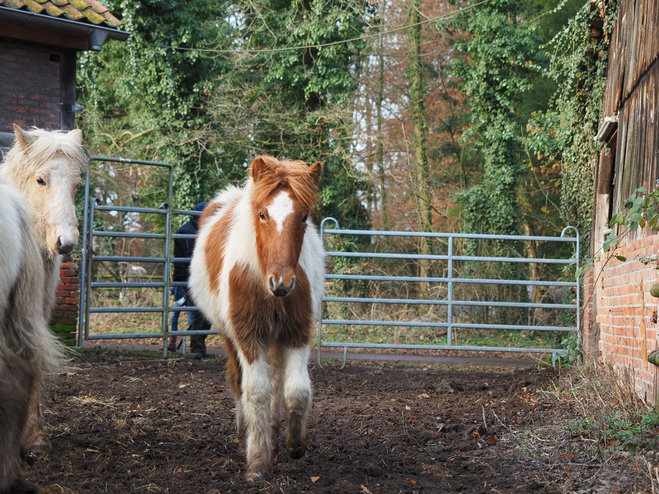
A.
pixel 632 92
pixel 617 303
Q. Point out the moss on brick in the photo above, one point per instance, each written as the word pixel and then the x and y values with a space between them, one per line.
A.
pixel 66 332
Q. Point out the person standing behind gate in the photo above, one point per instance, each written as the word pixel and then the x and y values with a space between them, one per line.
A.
pixel 183 247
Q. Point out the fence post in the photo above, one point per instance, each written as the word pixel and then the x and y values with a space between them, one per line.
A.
pixel 320 310
pixel 167 266
pixel 83 298
pixel 449 308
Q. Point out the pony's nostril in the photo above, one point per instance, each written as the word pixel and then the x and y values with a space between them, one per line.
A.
pixel 291 285
pixel 59 243
pixel 271 283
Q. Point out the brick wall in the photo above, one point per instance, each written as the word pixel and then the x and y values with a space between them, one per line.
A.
pixel 613 310
pixel 29 85
pixel 64 318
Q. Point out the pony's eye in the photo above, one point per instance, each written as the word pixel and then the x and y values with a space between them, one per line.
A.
pixel 41 181
pixel 304 219
pixel 262 216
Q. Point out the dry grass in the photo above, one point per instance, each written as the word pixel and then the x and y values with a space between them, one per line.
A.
pixel 607 443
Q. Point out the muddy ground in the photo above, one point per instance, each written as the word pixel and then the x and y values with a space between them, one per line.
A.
pixel 121 426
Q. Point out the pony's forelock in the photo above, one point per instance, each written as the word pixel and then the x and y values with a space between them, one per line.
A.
pixel 44 147
pixel 294 174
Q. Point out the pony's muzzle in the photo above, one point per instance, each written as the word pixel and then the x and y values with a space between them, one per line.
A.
pixel 65 245
pixel 279 288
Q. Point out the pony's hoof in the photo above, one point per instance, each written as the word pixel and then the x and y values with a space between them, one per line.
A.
pixel 37 450
pixel 296 451
pixel 254 476
pixel 23 487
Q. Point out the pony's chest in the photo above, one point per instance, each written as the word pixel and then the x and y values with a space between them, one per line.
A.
pixel 255 312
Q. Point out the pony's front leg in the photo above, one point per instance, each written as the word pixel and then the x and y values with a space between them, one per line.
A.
pixel 255 407
pixel 297 399
pixel 35 441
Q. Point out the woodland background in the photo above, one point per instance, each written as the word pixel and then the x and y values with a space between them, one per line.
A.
pixel 428 115
pixel 453 116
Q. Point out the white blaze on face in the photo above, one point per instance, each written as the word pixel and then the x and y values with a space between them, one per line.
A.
pixel 280 208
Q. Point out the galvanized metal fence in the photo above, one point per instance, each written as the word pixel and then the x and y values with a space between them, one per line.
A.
pixel 450 281
pixel 448 302
pixel 91 207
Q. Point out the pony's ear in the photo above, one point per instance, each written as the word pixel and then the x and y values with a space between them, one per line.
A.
pixel 76 134
pixel 315 171
pixel 258 167
pixel 261 165
pixel 23 137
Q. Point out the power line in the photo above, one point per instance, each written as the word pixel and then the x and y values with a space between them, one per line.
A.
pixel 320 45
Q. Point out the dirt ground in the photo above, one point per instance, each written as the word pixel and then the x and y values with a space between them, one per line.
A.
pixel 119 425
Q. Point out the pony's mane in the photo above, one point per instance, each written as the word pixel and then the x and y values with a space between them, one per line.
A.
pixel 294 174
pixel 46 145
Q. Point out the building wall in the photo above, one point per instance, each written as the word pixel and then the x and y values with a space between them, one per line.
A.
pixel 614 310
pixel 614 313
pixel 29 85
pixel 35 80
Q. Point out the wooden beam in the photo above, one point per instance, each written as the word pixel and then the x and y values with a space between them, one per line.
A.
pixel 43 36
pixel 67 84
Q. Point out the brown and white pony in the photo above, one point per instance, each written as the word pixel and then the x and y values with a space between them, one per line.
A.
pixel 258 272
pixel 37 225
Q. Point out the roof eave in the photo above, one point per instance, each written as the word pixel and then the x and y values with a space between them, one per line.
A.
pixel 97 34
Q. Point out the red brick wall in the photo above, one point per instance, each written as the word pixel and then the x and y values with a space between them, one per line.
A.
pixel 590 328
pixel 29 85
pixel 68 295
pixel 612 306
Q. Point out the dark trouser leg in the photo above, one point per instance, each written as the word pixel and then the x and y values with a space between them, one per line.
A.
pixel 198 341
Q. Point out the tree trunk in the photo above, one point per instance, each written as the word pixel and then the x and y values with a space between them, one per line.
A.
pixel 379 138
pixel 420 122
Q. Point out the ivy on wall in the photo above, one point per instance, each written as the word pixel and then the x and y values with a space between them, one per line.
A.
pixel 563 136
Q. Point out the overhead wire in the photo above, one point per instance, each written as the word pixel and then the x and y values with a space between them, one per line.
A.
pixel 318 45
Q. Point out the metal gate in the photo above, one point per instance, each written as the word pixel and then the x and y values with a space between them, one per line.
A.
pixel 448 319
pixel 87 285
pixel 451 283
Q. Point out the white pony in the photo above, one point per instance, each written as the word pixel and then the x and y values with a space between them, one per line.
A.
pixel 37 225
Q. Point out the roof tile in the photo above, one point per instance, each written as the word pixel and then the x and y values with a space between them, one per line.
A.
pixel 72 13
pixel 76 10
pixel 52 9
pixel 13 4
pixel 33 6
pixel 93 16
pixel 111 20
pixel 98 7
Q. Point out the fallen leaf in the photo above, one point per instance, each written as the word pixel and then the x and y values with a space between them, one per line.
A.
pixel 411 481
pixel 180 386
pixel 315 479
pixel 407 408
pixel 494 440
pixel 365 490
pixel 475 434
